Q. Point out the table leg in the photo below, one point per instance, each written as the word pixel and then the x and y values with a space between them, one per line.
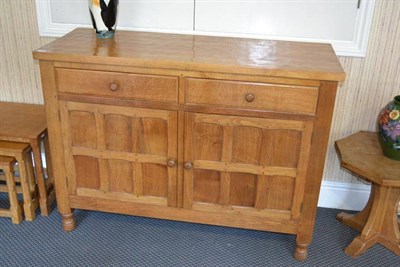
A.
pixel 44 206
pixel 51 193
pixel 357 221
pixel 377 222
pixel 29 201
pixel 15 208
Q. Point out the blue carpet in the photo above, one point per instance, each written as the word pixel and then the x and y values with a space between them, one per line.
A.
pixel 103 239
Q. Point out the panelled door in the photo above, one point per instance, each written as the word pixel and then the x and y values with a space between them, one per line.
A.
pixel 120 153
pixel 245 165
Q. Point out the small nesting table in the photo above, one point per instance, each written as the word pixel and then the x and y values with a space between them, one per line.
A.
pixel 15 212
pixel 378 221
pixel 26 123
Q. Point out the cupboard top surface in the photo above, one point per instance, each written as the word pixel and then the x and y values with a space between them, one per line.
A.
pixel 198 53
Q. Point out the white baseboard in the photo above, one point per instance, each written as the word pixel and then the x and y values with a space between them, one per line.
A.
pixel 345 196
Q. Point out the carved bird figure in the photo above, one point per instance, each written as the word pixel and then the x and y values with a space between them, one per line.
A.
pixel 104 15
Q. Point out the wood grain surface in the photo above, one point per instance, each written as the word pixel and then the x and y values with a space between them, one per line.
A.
pixel 21 122
pixel 215 54
pixel 362 154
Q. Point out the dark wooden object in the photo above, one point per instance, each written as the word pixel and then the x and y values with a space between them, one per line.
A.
pixel 22 154
pixel 15 211
pixel 378 221
pixel 26 123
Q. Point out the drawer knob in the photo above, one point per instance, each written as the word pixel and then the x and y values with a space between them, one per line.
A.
pixel 188 165
pixel 249 97
pixel 171 163
pixel 113 86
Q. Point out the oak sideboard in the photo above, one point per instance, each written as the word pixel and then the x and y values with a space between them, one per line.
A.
pixel 213 130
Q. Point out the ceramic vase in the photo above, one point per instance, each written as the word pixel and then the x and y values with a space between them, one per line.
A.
pixel 389 129
pixel 104 17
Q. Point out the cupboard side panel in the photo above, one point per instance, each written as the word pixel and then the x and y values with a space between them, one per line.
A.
pixel 120 176
pixel 155 180
pixel 87 172
pixel 206 186
pixel 316 161
pixel 242 189
pixel 56 140
pixel 118 132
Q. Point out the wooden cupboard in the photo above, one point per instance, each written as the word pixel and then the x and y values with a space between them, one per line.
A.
pixel 222 131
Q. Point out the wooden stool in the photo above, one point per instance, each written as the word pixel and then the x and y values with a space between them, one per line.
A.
pixel 22 153
pixel 15 212
pixel 26 123
pixel 377 222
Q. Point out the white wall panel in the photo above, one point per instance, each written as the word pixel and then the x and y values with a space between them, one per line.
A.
pixel 343 23
pixel 69 12
pixel 317 19
pixel 57 17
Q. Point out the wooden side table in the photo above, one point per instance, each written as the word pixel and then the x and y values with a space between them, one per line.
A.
pixel 15 211
pixel 22 154
pixel 377 222
pixel 27 123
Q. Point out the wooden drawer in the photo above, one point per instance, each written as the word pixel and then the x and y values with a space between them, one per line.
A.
pixel 281 98
pixel 118 85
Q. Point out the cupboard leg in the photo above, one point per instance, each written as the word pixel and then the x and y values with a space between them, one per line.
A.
pixel 68 222
pixel 301 252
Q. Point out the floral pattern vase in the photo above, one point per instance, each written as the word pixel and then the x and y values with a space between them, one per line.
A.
pixel 104 17
pixel 389 129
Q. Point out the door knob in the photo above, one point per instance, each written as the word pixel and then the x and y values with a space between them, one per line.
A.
pixel 249 97
pixel 188 165
pixel 113 86
pixel 171 163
